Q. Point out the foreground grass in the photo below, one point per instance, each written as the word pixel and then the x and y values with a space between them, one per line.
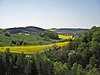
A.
pixel 30 49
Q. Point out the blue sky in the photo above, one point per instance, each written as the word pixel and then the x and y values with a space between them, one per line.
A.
pixel 50 13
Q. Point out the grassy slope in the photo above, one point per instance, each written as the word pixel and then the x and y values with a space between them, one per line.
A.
pixel 32 40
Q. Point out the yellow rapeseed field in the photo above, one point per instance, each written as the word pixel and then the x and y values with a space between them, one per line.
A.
pixel 4 28
pixel 65 37
pixel 34 49
pixel 27 34
pixel 30 49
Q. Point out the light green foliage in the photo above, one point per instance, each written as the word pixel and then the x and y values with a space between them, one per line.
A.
pixel 27 40
pixel 80 70
pixel 74 69
pixel 60 69
pixel 96 36
pixel 94 71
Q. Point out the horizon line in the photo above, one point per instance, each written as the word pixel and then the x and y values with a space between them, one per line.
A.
pixel 50 27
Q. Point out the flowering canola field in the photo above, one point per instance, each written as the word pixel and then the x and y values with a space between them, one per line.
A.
pixel 65 37
pixel 34 49
pixel 30 49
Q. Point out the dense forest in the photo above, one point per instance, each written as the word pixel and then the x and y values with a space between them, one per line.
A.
pixel 80 57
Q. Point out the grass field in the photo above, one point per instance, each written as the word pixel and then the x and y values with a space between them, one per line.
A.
pixel 30 49
pixel 29 39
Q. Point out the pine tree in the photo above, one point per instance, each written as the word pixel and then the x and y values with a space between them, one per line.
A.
pixel 2 67
pixel 33 68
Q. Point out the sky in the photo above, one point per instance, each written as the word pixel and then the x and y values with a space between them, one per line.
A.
pixel 50 13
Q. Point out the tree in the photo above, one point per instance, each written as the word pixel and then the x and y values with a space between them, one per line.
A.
pixel 60 69
pixel 2 67
pixel 94 28
pixel 93 61
pixel 33 68
pixel 46 67
pixel 96 36
pixel 21 63
pixel 94 71
pixel 74 69
pixel 80 70
pixel 76 43
pixel 13 42
pixel 74 57
pixel 81 47
pixel 7 34
pixel 50 34
pixel 8 61
pixel 95 49
pixel 86 37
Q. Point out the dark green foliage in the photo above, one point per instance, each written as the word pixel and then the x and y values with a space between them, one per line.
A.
pixel 28 29
pixel 86 37
pixel 7 34
pixel 33 70
pixel 17 42
pixel 2 66
pixel 30 67
pixel 50 34
pixel 13 42
pixel 46 67
pixel 75 58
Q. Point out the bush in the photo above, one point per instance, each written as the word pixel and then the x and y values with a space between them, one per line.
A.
pixel 7 34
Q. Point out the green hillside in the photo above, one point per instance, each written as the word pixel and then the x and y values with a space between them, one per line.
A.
pixel 25 36
pixel 33 35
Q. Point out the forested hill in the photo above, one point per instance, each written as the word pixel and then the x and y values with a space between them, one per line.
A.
pixel 31 29
pixel 72 29
pixel 28 29
pixel 26 36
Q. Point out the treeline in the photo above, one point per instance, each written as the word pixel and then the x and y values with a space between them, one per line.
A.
pixel 49 34
pixel 80 57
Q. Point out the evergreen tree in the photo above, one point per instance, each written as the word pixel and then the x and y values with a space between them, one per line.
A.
pixel 33 68
pixel 2 67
